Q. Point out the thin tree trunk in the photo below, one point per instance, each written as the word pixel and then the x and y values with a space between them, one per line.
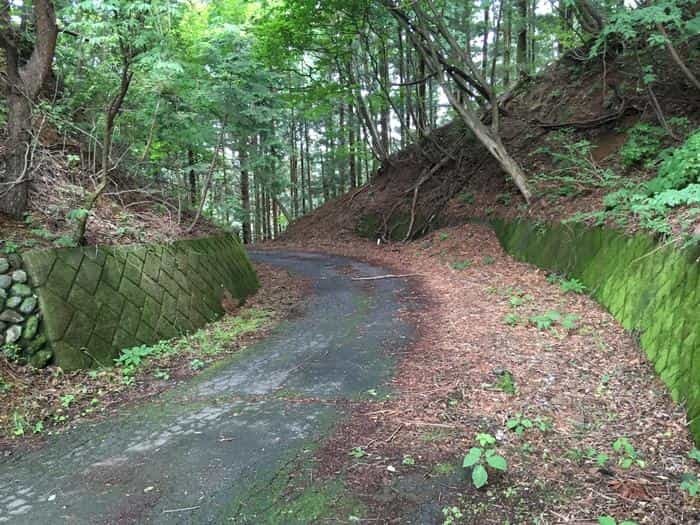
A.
pixel 521 50
pixel 245 191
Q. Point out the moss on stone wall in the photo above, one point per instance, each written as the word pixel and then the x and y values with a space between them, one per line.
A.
pixel 96 301
pixel 652 290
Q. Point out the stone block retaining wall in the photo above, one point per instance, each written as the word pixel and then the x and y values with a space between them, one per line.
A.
pixel 97 301
pixel 654 291
pixel 19 315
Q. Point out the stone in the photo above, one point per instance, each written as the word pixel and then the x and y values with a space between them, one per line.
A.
pixel 28 305
pixel 13 302
pixel 36 345
pixel 15 261
pixel 10 316
pixel 3 294
pixel 31 328
pixel 41 359
pixel 13 334
pixel 5 281
pixel 19 276
pixel 22 290
pixel 4 265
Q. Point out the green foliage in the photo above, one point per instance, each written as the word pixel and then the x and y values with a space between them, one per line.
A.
pixel 482 458
pixel 690 484
pixel 12 352
pixel 451 515
pixel 506 383
pixel 572 285
pixel 643 145
pixel 677 184
pixel 512 319
pixel 519 424
pixel 197 364
pixel 488 260
pixel 549 319
pixel 609 520
pixel 461 265
pixel 358 452
pixel 628 455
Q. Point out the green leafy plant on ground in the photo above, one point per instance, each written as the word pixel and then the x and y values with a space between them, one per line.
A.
pixel 549 319
pixel 461 265
pixel 628 455
pixel 482 458
pixel 609 520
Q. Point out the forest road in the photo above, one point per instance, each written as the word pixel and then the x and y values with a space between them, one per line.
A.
pixel 209 449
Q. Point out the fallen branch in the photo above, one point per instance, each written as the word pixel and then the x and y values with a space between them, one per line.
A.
pixel 184 509
pixel 389 276
pixel 585 124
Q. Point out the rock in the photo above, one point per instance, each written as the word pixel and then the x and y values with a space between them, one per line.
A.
pixel 10 316
pixel 31 328
pixel 3 294
pixel 19 276
pixel 41 359
pixel 36 345
pixel 22 290
pixel 4 265
pixel 5 281
pixel 28 305
pixel 13 333
pixel 13 302
pixel 2 326
pixel 15 261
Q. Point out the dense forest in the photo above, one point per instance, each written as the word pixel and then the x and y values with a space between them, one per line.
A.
pixel 251 114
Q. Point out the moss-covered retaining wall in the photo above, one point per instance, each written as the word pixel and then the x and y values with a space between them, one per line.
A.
pixel 96 301
pixel 652 290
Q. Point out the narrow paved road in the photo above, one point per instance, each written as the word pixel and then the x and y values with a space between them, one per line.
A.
pixel 192 454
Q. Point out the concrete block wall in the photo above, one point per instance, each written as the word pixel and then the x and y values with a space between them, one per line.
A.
pixel 99 300
pixel 651 290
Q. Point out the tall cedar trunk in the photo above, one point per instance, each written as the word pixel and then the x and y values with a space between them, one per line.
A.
pixel 507 36
pixel 403 114
pixel 258 207
pixel 341 146
pixel 192 177
pixel 302 172
pixel 263 214
pixel 385 111
pixel 245 191
pixel 521 50
pixel 422 124
pixel 308 166
pixel 352 160
pixel 485 45
pixel 275 219
pixel 23 83
pixel 533 34
pixel 293 167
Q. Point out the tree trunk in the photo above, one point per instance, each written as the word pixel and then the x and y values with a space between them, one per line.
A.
pixel 23 82
pixel 245 191
pixel 521 50
pixel 507 36
pixel 192 177
pixel 485 46
pixel 308 166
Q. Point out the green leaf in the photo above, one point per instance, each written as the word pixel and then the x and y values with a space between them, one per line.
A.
pixel 497 462
pixel 694 454
pixel 472 458
pixel 479 476
pixel 606 520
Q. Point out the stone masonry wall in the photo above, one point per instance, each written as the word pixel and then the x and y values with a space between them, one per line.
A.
pixel 20 336
pixel 652 290
pixel 97 301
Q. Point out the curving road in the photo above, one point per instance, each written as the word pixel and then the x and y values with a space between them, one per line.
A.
pixel 194 454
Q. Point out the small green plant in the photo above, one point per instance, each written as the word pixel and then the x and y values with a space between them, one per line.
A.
pixel 546 320
pixel 452 515
pixel 444 236
pixel 644 143
pixel 12 352
pixel 197 364
pixel 609 520
pixel 67 400
pixel 519 424
pixel 466 197
pixel 506 383
pixel 483 457
pixel 570 322
pixel 690 484
pixel 512 319
pixel 408 460
pixel 488 260
pixel 161 374
pixel 19 424
pixel 572 285
pixel 358 452
pixel 461 265
pixel 629 457
pixel 38 427
pixel 694 454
